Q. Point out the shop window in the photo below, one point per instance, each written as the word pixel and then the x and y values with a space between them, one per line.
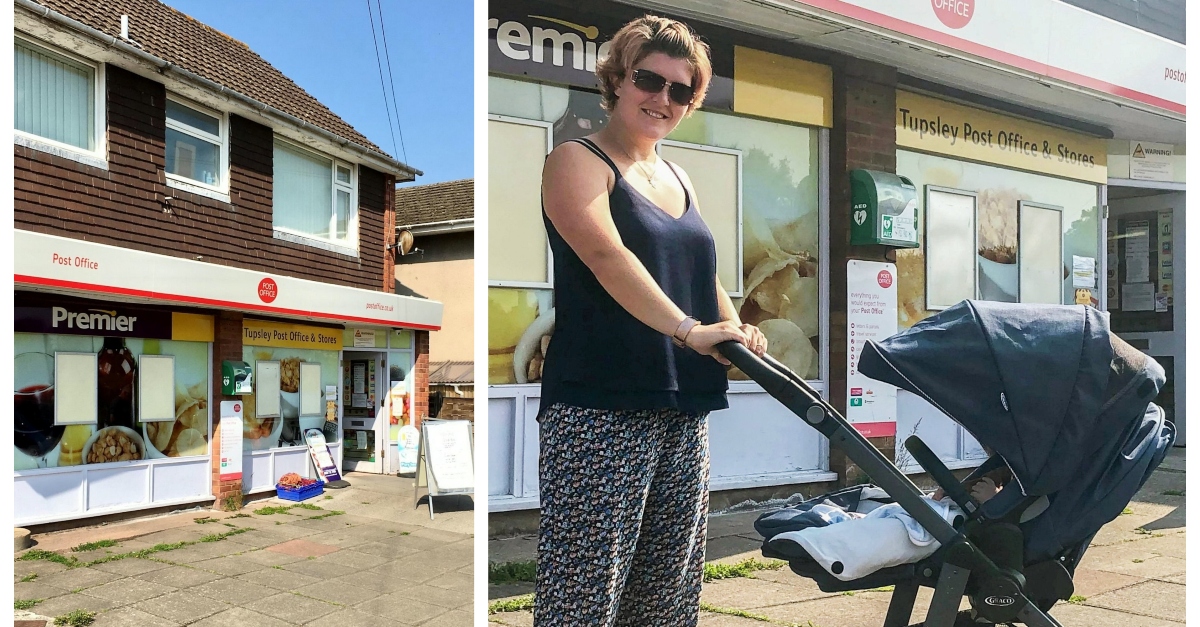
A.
pixel 58 102
pixel 313 199
pixel 950 246
pixel 294 397
pixel 1040 256
pixel 519 253
pixel 196 145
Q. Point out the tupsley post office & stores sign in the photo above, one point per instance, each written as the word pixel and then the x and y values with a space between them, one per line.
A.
pixel 933 125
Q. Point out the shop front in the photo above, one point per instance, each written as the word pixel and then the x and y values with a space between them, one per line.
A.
pixel 757 154
pixel 121 363
pixel 1010 213
pixel 111 406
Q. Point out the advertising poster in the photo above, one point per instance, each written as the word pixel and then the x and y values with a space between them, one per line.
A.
pixel 870 317
pixel 231 440
pixel 449 454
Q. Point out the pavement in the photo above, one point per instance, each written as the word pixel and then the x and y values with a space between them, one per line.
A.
pixel 1133 574
pixel 366 557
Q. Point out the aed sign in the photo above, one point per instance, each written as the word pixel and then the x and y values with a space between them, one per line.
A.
pixel 932 125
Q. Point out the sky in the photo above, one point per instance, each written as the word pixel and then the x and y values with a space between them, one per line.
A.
pixel 325 47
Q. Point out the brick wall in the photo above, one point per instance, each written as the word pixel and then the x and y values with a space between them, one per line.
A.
pixel 227 344
pixel 863 136
pixel 125 204
pixel 420 404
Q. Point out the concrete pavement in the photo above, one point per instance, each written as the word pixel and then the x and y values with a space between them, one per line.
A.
pixel 354 557
pixel 1133 575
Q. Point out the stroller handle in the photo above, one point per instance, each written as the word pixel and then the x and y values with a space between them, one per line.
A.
pixel 797 395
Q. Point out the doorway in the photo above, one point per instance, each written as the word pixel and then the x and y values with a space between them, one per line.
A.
pixel 1146 283
pixel 364 423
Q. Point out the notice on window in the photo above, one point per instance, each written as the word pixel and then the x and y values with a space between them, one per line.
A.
pixel 1137 297
pixel 1137 269
pixel 1151 162
pixel 1084 271
pixel 1137 238
pixel 1161 302
pixel 871 316
pixel 231 440
pixel 364 338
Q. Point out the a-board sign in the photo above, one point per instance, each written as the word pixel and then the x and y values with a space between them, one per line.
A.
pixel 231 440
pixel 445 459
pixel 322 459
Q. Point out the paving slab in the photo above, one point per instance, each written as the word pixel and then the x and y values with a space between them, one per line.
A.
pixel 240 617
pixel 354 618
pixel 183 606
pixel 292 608
pixel 179 577
pixel 131 617
pixel 1158 599
pixel 130 566
pixel 71 602
pixel 401 609
pixel 128 592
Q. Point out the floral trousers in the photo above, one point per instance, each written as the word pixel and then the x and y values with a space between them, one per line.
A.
pixel 624 515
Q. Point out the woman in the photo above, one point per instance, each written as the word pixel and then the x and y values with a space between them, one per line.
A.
pixel 631 372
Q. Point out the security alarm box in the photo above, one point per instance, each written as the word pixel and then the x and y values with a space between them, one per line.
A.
pixel 883 209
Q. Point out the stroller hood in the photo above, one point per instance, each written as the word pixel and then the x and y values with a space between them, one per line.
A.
pixel 1038 384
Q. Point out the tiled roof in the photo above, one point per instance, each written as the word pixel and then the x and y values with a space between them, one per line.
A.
pixel 451 372
pixel 438 202
pixel 173 36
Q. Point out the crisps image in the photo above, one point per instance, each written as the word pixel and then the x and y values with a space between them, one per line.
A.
pixel 160 435
pixel 189 442
pixel 790 345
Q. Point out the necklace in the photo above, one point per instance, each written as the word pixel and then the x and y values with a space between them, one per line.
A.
pixel 638 164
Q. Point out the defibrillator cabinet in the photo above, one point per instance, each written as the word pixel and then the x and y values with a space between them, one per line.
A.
pixel 883 209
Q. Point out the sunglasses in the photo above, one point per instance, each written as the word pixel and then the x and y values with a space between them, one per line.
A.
pixel 681 94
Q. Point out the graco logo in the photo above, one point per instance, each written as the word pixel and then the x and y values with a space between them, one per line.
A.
pixel 999 601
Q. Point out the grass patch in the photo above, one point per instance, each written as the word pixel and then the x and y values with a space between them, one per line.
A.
pixel 24 604
pixel 1127 510
pixel 77 618
pixel 205 520
pixel 28 578
pixel 327 514
pixel 512 572
pixel 307 506
pixel 1076 599
pixel 328 497
pixel 274 509
pixel 1138 561
pixel 49 556
pixel 92 546
pixel 1143 531
pixel 1173 492
pixel 728 611
pixel 240 515
pixel 73 562
pixel 744 568
pixel 515 604
pixel 277 567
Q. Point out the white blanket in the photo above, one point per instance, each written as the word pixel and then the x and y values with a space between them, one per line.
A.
pixel 886 537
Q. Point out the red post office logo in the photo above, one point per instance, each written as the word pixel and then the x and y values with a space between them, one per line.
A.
pixel 954 13
pixel 884 278
pixel 267 290
pixel 237 407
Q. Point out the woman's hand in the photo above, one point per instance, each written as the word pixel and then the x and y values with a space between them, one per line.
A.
pixel 755 340
pixel 703 338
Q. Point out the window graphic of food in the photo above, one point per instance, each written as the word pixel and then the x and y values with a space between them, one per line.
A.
pixel 510 314
pixel 781 290
pixel 187 435
pixel 530 352
pixel 70 449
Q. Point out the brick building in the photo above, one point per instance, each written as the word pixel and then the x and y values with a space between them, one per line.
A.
pixel 441 220
pixel 1009 149
pixel 183 209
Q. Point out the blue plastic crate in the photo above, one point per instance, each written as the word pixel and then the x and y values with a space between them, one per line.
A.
pixel 300 494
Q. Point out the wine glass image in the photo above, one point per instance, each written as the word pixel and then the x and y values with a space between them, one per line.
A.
pixel 34 431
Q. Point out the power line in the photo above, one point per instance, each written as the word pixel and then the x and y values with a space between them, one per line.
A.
pixel 391 76
pixel 382 85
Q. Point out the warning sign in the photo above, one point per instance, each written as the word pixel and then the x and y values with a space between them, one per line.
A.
pixel 1151 162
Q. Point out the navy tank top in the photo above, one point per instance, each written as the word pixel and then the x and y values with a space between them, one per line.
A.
pixel 600 356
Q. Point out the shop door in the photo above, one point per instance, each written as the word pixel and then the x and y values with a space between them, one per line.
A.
pixel 1145 293
pixel 364 422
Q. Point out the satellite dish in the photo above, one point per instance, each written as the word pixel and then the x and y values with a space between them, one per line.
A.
pixel 404 242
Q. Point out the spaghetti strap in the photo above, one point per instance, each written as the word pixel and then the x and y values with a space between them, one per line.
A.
pixel 687 196
pixel 599 153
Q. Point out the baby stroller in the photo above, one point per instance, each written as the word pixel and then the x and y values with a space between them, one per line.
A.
pixel 1058 398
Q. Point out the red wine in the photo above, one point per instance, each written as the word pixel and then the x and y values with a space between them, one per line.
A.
pixel 34 431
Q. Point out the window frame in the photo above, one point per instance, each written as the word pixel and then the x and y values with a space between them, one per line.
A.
pixel 222 141
pixel 350 246
pixel 98 156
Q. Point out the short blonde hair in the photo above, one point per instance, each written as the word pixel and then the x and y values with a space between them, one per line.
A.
pixel 643 36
